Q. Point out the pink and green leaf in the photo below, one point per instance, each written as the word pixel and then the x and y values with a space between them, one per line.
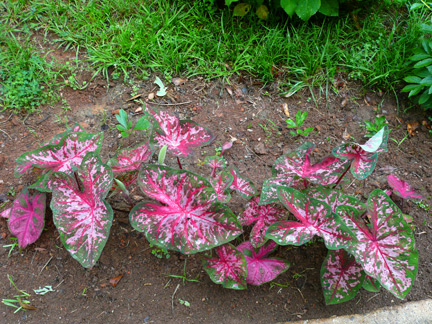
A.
pixel 221 184
pixel 341 277
pixel 402 188
pixel 261 268
pixel 378 142
pixel 242 185
pixel 27 217
pixel 131 159
pixel 215 162
pixel 187 219
pixel 335 198
pixel 227 268
pixel 263 216
pixel 314 218
pixel 180 136
pixel 57 138
pixel 385 248
pixel 6 213
pixel 80 212
pixel 371 284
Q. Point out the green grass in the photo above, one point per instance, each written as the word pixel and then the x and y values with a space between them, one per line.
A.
pixel 120 37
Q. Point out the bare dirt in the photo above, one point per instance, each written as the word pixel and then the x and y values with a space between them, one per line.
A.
pixel 251 115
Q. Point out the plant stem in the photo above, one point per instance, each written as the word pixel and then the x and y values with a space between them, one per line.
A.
pixel 178 161
pixel 342 175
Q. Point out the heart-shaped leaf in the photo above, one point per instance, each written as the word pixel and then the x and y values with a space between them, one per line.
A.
pixel 130 159
pixel 242 185
pixel 341 277
pixel 27 217
pixel 263 216
pixel 64 156
pixel 187 220
pixel 385 248
pixel 227 268
pixel 57 138
pixel 261 268
pixel 371 284
pixel 335 198
pixel 221 184
pixel 80 212
pixel 215 162
pixel 402 188
pixel 316 218
pixel 179 135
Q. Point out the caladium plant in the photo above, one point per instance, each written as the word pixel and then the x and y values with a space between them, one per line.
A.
pixel 227 268
pixel 385 248
pixel 222 184
pixel 80 212
pixel 187 219
pixel 242 184
pixel 179 135
pixel 364 157
pixel 371 284
pixel 27 217
pixel 335 198
pixel 263 216
pixel 63 157
pixel 131 159
pixel 261 268
pixel 402 188
pixel 341 277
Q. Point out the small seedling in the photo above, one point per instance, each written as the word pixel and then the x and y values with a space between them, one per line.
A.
pixel 11 246
pixel 184 277
pixel 372 127
pixel 125 126
pixel 160 253
pixel 12 192
pixel 18 302
pixel 162 88
pixel 184 302
pixel 298 123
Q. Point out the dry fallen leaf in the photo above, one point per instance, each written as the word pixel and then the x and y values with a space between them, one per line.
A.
pixel 151 95
pixel 179 81
pixel 135 97
pixel 229 91
pixel 411 127
pixel 26 306
pixel 114 281
pixel 139 109
pixel 346 136
pixel 115 112
pixel 285 109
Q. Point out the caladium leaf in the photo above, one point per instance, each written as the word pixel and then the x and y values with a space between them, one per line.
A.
pixel 187 220
pixel 385 248
pixel 64 156
pixel 402 188
pixel 180 136
pixel 261 268
pixel 127 178
pixel 80 212
pixel 269 190
pixel 27 217
pixel 228 268
pixel 131 159
pixel 6 213
pixel 335 198
pixel 242 185
pixel 221 184
pixel 315 218
pixel 371 284
pixel 215 162
pixel 341 277
pixel 57 138
pixel 363 157
pixel 263 216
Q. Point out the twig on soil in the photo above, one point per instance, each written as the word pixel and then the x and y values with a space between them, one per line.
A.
pixel 45 266
pixel 1 130
pixel 25 118
pixel 59 284
pixel 304 300
pixel 7 119
pixel 172 298
pixel 40 122
pixel 172 104
pixel 372 297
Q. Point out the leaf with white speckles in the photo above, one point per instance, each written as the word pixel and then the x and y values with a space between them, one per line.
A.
pixel 341 277
pixel 187 219
pixel 221 184
pixel 335 198
pixel 227 268
pixel 80 212
pixel 242 185
pixel 385 247
pixel 131 159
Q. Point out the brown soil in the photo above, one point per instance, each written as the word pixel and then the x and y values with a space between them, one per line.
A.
pixel 146 293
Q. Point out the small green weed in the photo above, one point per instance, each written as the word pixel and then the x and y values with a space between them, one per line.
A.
pixel 373 127
pixel 298 123
pixel 11 246
pixel 18 302
pixel 126 127
pixel 184 277
pixel 184 302
pixel 160 252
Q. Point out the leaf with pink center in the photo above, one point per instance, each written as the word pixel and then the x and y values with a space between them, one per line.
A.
pixel 335 198
pixel 269 190
pixel 6 213
pixel 261 268
pixel 371 284
pixel 57 138
pixel 263 216
pixel 215 162
pixel 315 218
pixel 341 277
pixel 80 212
pixel 221 184
pixel 402 188
pixel 65 156
pixel 242 185
pixel 227 268
pixel 131 159
pixel 187 219
pixel 27 217
pixel 180 136
pixel 385 247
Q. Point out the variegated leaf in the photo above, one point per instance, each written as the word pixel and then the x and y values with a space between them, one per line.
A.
pixel 6 213
pixel 263 216
pixel 187 218
pixel 80 212
pixel 315 218
pixel 378 142
pixel 402 188
pixel 221 184
pixel 385 248
pixel 335 198
pixel 261 268
pixel 27 217
pixel 341 277
pixel 57 138
pixel 242 185
pixel 131 159
pixel 371 284
pixel 227 268
pixel 215 162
